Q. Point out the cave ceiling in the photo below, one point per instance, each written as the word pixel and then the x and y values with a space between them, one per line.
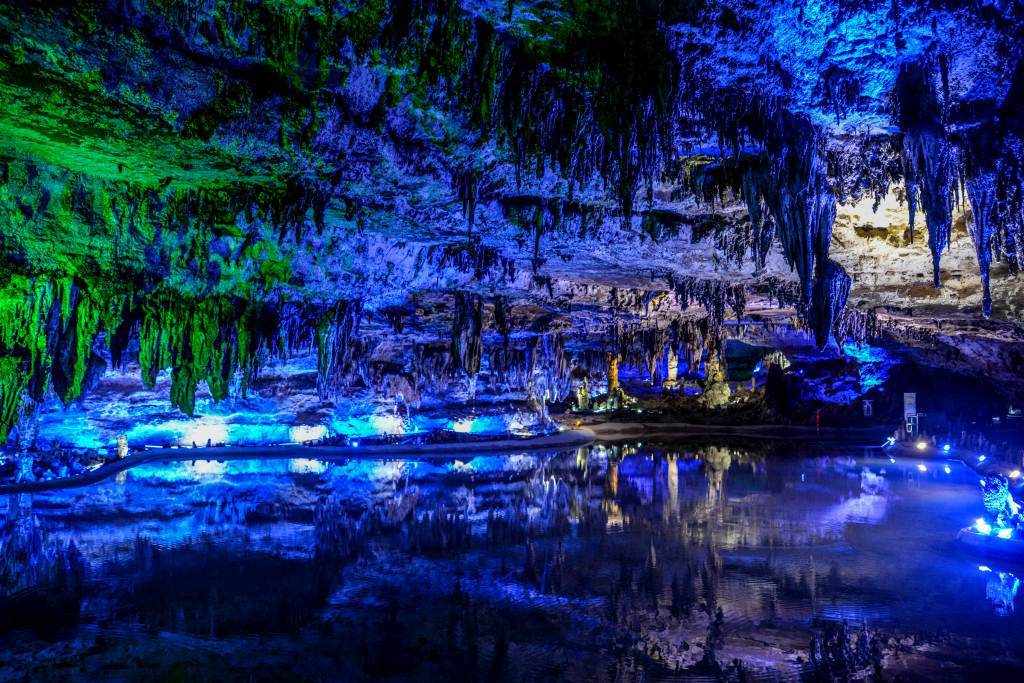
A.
pixel 198 182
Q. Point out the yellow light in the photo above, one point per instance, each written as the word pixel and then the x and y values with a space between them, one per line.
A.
pixel 921 445
pixel 1015 474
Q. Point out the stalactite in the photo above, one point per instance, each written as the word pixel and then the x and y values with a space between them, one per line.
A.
pixel 471 256
pixel 981 188
pixel 467 326
pixel 929 166
pixel 831 291
pixel 467 188
pixel 761 225
pixel 336 328
pixel 432 366
pixel 713 295
pixel 501 320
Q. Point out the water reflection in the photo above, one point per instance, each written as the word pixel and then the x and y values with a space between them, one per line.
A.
pixel 607 563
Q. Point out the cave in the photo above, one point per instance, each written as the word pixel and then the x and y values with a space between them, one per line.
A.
pixel 511 340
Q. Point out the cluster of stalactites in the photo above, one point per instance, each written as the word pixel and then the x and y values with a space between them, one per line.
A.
pixel 743 175
pixel 651 346
pixel 993 170
pixel 473 257
pixel 787 193
pixel 543 100
pixel 803 205
pixel 51 329
pixel 986 160
pixel 714 295
pixel 929 158
pixel 48 328
pixel 542 367
pixel 217 339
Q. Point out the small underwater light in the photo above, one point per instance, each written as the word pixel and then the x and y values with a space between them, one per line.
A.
pixel 946 469
pixel 983 568
pixel 891 440
pixel 355 444
pixel 981 458
pixel 921 467
pixel 1015 474
pixel 945 448
pixel 921 445
pixel 892 460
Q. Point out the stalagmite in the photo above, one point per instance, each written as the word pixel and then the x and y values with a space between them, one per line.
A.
pixel 613 373
pixel 716 387
pixel 671 368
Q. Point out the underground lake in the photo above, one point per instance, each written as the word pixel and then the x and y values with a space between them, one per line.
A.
pixel 687 559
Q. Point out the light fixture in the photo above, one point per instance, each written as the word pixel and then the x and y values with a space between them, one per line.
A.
pixel 921 467
pixel 981 458
pixel 921 445
pixel 1015 474
pixel 945 448
pixel 946 469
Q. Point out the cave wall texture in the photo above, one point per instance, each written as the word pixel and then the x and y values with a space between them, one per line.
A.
pixel 445 198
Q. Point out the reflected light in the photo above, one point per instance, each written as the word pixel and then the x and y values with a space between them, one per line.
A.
pixel 207 468
pixel 306 466
pixel 946 469
pixel 921 467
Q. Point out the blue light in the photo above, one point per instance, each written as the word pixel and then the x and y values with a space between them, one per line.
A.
pixel 981 458
pixel 983 568
pixel 355 444
pixel 946 469
pixel 945 448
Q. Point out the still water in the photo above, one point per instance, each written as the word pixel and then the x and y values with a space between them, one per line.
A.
pixel 635 562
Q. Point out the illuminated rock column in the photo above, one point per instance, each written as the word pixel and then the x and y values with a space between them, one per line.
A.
pixel 672 369
pixel 613 372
